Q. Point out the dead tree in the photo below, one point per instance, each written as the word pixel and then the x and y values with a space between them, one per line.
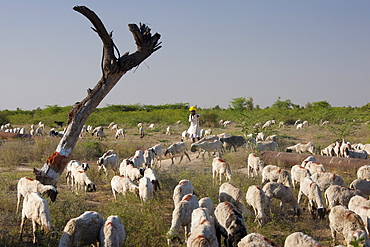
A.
pixel 113 68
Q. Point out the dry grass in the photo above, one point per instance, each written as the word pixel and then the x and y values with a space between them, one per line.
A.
pixel 146 224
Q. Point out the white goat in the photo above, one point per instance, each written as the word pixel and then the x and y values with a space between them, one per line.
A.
pixel 362 185
pixel 273 173
pixel 185 136
pixel 325 179
pixel 364 213
pixel 121 185
pixel 285 194
pixel 220 168
pixel 82 230
pixel 311 190
pixel 229 193
pixel 207 203
pixel 152 175
pixel 314 167
pixel 36 209
pixel 132 172
pixel 256 240
pixel 181 216
pixel 298 173
pixel 255 165
pixel 347 223
pixel 231 222
pixel 120 132
pixel 340 195
pixel 145 189
pixel 364 172
pixel 108 162
pixel 112 233
pixel 168 130
pixel 256 198
pixel 302 148
pixel 82 181
pixel 183 188
pixel 208 147
pixel 72 168
pixel 300 239
pixel 202 231
pixel 149 154
pixel 176 148
pixel 357 201
pixel 158 152
pixel 27 185
pixel 267 145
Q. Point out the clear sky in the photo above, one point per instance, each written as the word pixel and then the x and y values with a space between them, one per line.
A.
pixel 213 51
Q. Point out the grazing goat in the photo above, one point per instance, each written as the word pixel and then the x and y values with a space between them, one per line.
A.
pixel 120 132
pixel 208 147
pixel 233 142
pixel 284 193
pixel 177 148
pixel 27 185
pixel 108 161
pixel 311 190
pixel 231 222
pixel 273 173
pixel 36 209
pixel 364 213
pixel 203 232
pixel 267 145
pixel 149 154
pixel 255 165
pixel 122 184
pixel 256 240
pixel 82 230
pixel 347 223
pixel 357 201
pixel 300 239
pixel 229 193
pixel 256 198
pixel 72 168
pixel 340 195
pixel 314 167
pixel 158 154
pixel 145 189
pixel 274 138
pixel 364 172
pixel 183 188
pixel 131 172
pixel 181 216
pixel 302 148
pixel 362 185
pixel 112 233
pixel 220 168
pixel 298 173
pixel 82 181
pixel 361 154
pixel 325 179
pixel 150 173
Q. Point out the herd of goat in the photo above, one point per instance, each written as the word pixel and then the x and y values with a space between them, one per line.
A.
pixel 204 222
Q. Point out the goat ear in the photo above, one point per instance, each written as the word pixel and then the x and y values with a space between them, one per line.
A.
pixel 35 171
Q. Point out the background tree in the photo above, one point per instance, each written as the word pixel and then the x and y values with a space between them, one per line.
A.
pixel 113 68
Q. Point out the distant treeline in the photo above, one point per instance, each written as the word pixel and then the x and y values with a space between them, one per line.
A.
pixel 241 111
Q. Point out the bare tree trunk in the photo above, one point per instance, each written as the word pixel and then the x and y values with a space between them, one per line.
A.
pixel 113 69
